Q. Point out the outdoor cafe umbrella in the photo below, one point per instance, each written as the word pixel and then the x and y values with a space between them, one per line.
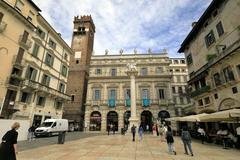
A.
pixel 228 115
pixel 192 118
pixel 173 119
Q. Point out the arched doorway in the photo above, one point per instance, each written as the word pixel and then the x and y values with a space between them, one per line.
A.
pixel 126 117
pixel 162 115
pixel 112 119
pixel 95 121
pixel 146 120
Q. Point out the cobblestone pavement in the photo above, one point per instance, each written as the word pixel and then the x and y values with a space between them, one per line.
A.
pixel 118 147
pixel 44 141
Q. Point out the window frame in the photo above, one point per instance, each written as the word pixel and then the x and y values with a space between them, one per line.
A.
pixel 161 93
pixel 219 28
pixel 95 95
pixel 210 39
pixel 49 59
pixel 19 8
pixel 43 101
pixel 144 71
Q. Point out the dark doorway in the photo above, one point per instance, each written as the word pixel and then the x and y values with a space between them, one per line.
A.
pixel 95 121
pixel 37 120
pixel 126 117
pixel 162 115
pixel 112 119
pixel 146 120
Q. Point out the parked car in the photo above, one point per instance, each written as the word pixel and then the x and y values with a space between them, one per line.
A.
pixel 52 126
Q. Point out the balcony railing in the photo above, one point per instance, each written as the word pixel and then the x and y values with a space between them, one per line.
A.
pixel 200 91
pixel 3 26
pixel 15 80
pixel 128 102
pixel 32 85
pixel 25 43
pixel 18 62
pixel 111 103
pixel 163 101
pixel 145 102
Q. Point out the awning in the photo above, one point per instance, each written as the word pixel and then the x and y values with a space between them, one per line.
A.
pixel 228 115
pixel 173 119
pixel 192 118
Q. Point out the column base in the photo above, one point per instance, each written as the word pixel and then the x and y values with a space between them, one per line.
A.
pixel 133 121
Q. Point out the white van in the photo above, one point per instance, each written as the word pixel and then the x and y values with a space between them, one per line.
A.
pixel 52 126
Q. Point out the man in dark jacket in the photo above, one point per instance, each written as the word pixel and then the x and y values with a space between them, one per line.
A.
pixel 186 138
pixel 133 130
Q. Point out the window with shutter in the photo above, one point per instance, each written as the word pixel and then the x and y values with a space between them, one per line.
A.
pixel 49 60
pixel 41 101
pixel 35 50
pixel 19 5
pixel 220 29
pixel 20 55
pixel 25 36
pixel 45 80
pixel 209 38
pixel 34 74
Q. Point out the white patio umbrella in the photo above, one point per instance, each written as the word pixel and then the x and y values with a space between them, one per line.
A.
pixel 173 119
pixel 192 118
pixel 228 115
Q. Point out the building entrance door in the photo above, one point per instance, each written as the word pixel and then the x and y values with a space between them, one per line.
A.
pixel 112 120
pixel 95 121
pixel 162 115
pixel 146 120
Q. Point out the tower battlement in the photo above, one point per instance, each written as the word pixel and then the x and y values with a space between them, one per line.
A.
pixel 84 19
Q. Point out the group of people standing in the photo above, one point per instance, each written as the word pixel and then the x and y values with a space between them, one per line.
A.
pixel 167 134
pixel 111 127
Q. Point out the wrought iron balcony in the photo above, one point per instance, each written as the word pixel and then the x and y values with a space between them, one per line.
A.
pixel 200 91
pixel 3 26
pixel 35 86
pixel 26 43
pixel 163 102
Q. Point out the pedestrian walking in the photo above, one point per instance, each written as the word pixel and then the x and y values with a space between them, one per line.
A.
pixel 133 130
pixel 140 132
pixel 8 147
pixel 157 129
pixel 202 134
pixel 154 130
pixel 108 129
pixel 31 131
pixel 147 127
pixel 170 141
pixel 186 138
pixel 164 131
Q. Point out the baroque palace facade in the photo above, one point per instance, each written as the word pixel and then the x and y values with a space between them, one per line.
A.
pixel 160 89
pixel 34 64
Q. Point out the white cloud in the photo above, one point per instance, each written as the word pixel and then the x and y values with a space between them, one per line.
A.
pixel 126 24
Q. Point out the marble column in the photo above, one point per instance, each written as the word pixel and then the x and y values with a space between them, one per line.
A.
pixel 132 72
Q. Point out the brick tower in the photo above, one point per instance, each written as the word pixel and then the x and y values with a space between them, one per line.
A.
pixel 82 45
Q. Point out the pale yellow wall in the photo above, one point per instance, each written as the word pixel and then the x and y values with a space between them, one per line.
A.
pixel 9 39
pixel 230 21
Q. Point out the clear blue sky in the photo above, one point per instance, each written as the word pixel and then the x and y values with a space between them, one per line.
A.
pixel 128 24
